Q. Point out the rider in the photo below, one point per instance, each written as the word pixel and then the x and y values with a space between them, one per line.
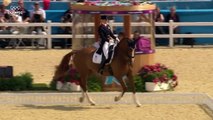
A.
pixel 106 35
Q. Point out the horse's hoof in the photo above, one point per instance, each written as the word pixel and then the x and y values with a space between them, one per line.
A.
pixel 117 99
pixel 138 105
pixel 92 104
pixel 81 99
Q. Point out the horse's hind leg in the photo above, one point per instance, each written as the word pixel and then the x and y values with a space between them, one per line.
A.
pixel 124 88
pixel 83 84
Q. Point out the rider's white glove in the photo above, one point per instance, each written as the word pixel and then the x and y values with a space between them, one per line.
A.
pixel 117 40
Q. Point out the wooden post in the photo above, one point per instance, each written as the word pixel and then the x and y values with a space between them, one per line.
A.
pixel 152 31
pixel 127 26
pixel 97 23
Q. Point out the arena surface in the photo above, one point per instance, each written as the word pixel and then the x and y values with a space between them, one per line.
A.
pixel 194 68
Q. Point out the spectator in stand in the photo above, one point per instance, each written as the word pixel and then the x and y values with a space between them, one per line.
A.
pixel 25 14
pixel 38 15
pixel 175 17
pixel 66 18
pixel 142 44
pixel 3 11
pixel 158 17
pixel 9 18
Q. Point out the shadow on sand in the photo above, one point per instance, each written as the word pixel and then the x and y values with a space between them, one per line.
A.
pixel 65 107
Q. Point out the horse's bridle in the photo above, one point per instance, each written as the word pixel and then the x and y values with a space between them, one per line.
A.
pixel 131 46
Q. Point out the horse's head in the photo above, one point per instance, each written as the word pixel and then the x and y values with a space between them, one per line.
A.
pixel 127 48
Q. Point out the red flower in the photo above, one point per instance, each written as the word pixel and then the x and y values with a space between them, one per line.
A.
pixel 156 80
pixel 75 81
pixel 174 77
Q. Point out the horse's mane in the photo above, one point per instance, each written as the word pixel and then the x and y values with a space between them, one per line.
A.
pixel 122 45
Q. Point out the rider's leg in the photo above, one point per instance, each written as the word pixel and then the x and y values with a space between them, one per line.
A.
pixel 103 63
pixel 104 57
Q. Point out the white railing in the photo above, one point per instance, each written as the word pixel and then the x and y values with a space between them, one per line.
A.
pixel 49 26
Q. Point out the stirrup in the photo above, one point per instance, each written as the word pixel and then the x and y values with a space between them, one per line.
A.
pixel 101 71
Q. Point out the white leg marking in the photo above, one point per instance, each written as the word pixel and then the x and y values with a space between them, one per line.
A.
pixel 89 99
pixel 136 100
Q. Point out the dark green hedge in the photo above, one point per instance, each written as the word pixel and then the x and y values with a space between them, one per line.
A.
pixel 94 84
pixel 139 84
pixel 19 82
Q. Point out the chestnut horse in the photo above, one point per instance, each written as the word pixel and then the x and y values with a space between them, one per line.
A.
pixel 121 65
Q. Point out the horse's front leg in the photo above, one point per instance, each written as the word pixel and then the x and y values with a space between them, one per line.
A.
pixel 132 87
pixel 124 88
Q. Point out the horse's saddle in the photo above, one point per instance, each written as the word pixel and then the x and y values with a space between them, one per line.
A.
pixel 107 51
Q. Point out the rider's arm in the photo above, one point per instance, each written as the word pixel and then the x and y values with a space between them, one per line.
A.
pixel 111 33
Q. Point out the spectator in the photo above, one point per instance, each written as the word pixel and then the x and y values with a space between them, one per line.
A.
pixel 158 17
pixel 175 17
pixel 142 43
pixel 25 14
pixel 66 18
pixel 3 11
pixel 9 18
pixel 38 15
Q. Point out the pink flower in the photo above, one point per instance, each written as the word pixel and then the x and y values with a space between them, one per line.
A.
pixel 174 77
pixel 75 81
pixel 156 80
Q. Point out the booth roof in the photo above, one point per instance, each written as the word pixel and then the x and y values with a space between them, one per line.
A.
pixel 84 8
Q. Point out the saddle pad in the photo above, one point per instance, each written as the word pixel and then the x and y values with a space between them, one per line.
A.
pixel 97 57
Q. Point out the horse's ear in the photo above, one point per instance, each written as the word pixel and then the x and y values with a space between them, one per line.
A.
pixel 131 43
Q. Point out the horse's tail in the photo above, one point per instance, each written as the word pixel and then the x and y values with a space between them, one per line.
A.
pixel 63 67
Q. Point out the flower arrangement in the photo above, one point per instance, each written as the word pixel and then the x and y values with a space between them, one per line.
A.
pixel 113 3
pixel 70 82
pixel 159 74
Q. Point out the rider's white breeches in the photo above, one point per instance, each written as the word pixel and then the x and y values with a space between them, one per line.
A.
pixel 106 49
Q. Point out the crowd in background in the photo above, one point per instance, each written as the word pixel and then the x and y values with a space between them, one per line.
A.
pixel 38 15
pixel 18 14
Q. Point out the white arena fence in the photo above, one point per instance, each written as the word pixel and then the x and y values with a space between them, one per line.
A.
pixel 49 26
pixel 104 98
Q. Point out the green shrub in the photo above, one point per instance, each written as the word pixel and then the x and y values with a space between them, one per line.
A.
pixel 19 82
pixel 139 84
pixel 94 84
pixel 40 86
pixel 53 85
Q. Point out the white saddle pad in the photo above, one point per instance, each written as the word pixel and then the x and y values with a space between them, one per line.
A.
pixel 97 58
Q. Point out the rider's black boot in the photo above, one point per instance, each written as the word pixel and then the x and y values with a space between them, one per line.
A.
pixel 102 65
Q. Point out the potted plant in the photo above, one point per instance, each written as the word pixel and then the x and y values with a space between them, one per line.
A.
pixel 70 82
pixel 158 77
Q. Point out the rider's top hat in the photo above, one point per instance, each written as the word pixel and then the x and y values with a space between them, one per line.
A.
pixel 104 17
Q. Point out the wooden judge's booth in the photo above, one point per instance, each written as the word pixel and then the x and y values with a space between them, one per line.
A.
pixel 93 10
